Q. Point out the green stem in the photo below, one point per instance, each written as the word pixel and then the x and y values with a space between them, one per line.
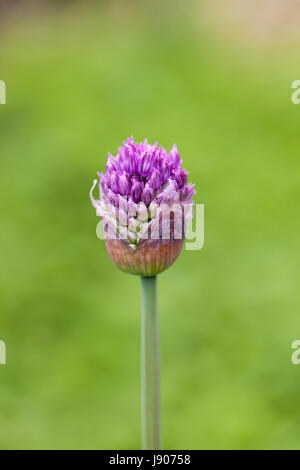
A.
pixel 150 366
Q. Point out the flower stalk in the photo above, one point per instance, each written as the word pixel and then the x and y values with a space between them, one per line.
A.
pixel 150 365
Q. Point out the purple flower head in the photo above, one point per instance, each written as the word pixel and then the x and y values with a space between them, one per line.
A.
pixel 139 164
pixel 147 177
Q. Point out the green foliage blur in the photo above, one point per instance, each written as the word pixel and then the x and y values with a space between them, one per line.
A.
pixel 79 81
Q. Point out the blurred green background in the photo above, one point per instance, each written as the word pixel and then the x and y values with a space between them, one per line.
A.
pixel 81 77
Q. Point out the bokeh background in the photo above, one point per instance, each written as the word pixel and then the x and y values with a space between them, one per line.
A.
pixel 81 77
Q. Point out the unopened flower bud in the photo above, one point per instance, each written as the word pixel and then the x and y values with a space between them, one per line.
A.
pixel 138 193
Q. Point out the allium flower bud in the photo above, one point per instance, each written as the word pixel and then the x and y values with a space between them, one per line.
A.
pixel 143 197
